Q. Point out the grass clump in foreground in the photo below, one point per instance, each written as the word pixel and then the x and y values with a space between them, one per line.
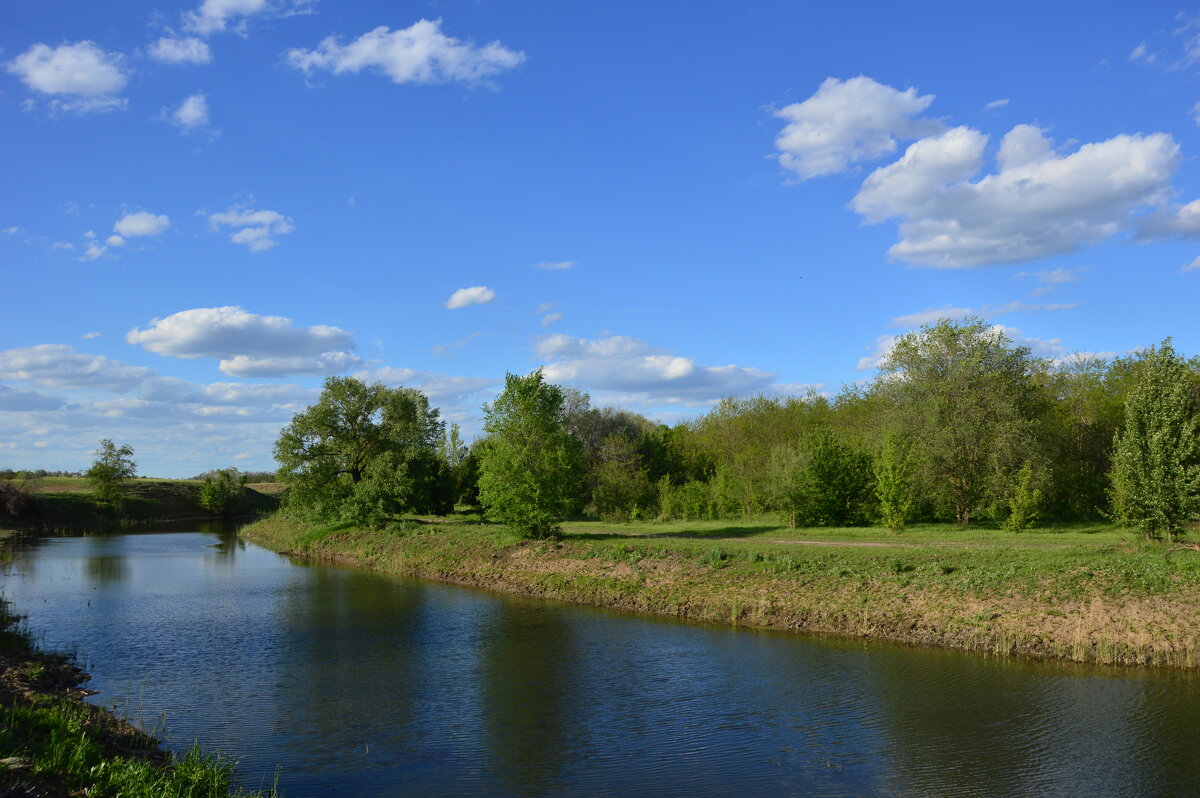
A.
pixel 1088 593
pixel 53 743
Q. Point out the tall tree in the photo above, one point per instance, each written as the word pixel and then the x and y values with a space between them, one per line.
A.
pixel 110 472
pixel 530 468
pixel 364 453
pixel 964 397
pixel 1156 456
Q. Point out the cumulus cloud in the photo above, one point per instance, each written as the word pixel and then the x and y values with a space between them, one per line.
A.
pixel 191 114
pixel 629 371
pixel 554 265
pixel 60 366
pixel 133 225
pixel 81 77
pixel 439 387
pixel 1182 222
pixel 252 228
pixel 249 345
pixel 310 365
pixel 217 15
pixel 420 53
pixel 182 50
pixel 849 121
pixel 1037 203
pixel 475 295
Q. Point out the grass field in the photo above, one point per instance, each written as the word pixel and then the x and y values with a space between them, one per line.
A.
pixel 1082 592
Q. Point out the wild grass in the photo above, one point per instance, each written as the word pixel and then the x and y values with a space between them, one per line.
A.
pixel 1084 592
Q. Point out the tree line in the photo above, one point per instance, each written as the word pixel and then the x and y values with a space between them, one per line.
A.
pixel 960 424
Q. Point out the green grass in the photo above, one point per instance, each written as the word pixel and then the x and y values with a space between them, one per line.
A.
pixel 1085 592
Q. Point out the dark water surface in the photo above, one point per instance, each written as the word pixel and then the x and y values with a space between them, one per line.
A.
pixel 361 684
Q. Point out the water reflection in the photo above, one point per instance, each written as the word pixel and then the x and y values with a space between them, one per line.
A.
pixel 361 684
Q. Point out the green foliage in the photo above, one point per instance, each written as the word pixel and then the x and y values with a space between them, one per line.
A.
pixel 893 484
pixel 820 481
pixel 364 453
pixel 531 468
pixel 966 399
pixel 622 484
pixel 1156 456
pixel 111 471
pixel 1024 504
pixel 221 490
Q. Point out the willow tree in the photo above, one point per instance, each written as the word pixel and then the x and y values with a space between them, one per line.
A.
pixel 364 453
pixel 530 469
pixel 965 398
pixel 1156 456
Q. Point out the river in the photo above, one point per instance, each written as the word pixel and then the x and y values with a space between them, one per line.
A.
pixel 354 683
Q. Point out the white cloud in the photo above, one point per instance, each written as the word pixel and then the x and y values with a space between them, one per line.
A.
pixel 933 315
pixel 420 53
pixel 627 370
pixel 1172 222
pixel 996 105
pixel 114 241
pixel 311 365
pixel 846 122
pixel 18 400
pixel 880 351
pixel 183 50
pixel 1049 279
pixel 83 73
pixel 1141 53
pixel 248 345
pixel 90 335
pixel 475 295
pixel 94 250
pixel 192 113
pixel 1191 267
pixel 60 366
pixel 133 225
pixel 1038 203
pixel 10 231
pixel 551 318
pixel 216 15
pixel 252 228
pixel 440 388
pixel 558 265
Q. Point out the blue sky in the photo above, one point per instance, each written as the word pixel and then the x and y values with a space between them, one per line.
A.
pixel 212 205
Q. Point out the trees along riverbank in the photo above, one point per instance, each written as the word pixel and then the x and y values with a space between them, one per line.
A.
pixel 961 445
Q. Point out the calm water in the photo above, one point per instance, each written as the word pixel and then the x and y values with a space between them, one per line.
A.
pixel 359 684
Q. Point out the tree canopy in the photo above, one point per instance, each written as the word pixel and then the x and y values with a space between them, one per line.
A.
pixel 530 468
pixel 364 453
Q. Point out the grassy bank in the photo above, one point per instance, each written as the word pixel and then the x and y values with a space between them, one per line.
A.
pixel 52 743
pixel 68 501
pixel 1088 593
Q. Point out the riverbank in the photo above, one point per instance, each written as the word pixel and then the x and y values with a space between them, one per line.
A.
pixel 56 502
pixel 53 743
pixel 1082 593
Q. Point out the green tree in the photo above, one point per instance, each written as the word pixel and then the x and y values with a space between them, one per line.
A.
pixel 364 453
pixel 1156 456
pixel 221 489
pixel 530 468
pixel 893 484
pixel 1024 503
pixel 622 485
pixel 110 472
pixel 965 398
